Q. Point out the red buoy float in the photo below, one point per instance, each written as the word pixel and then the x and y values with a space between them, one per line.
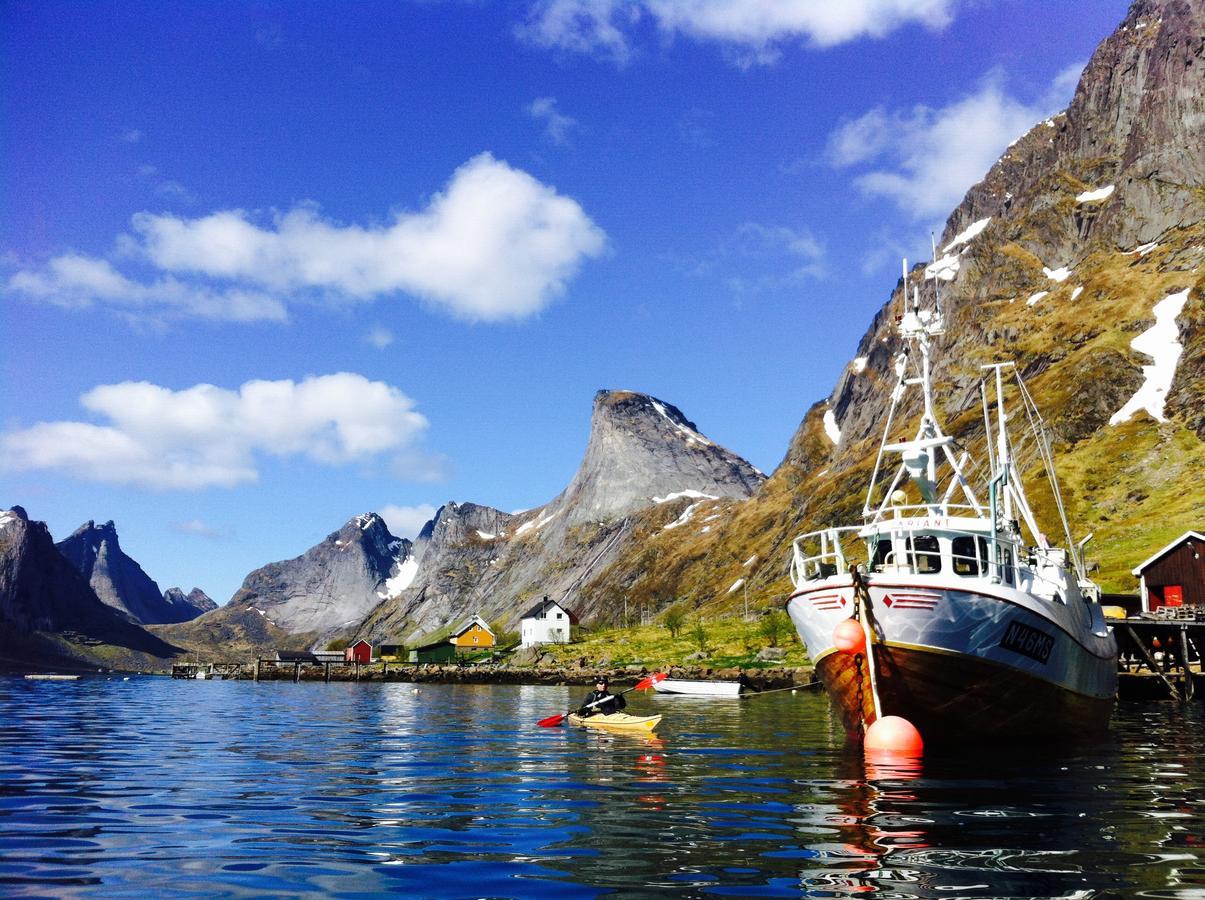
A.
pixel 848 636
pixel 894 734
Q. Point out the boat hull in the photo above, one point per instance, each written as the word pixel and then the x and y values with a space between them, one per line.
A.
pixel 989 664
pixel 698 688
pixel 617 721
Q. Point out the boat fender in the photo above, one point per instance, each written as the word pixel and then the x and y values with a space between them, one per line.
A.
pixel 849 636
pixel 893 734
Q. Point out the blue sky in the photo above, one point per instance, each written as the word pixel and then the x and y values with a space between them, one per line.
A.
pixel 265 266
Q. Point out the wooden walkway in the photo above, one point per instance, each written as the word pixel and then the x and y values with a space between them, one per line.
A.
pixel 1160 657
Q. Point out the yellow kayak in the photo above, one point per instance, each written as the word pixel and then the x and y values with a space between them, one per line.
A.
pixel 621 721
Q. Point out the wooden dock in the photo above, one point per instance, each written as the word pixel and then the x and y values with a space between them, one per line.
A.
pixel 1160 657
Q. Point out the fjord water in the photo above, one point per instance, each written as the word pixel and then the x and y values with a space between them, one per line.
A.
pixel 147 785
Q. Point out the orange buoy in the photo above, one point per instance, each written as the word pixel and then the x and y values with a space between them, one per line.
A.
pixel 894 734
pixel 848 636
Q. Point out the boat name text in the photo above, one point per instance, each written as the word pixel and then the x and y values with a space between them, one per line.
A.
pixel 1027 641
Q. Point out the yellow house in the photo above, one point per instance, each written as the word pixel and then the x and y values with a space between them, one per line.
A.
pixel 474 635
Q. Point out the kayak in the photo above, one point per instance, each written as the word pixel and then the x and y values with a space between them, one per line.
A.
pixel 621 721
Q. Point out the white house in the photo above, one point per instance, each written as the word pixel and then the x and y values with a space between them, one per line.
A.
pixel 545 623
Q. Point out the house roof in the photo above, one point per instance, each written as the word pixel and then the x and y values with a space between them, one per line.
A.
pixel 546 604
pixel 476 620
pixel 360 641
pixel 295 656
pixel 1172 546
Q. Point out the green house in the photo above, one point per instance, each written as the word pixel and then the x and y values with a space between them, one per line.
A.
pixel 440 652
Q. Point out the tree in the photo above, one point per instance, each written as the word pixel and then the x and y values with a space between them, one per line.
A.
pixel 675 618
pixel 774 625
pixel 699 635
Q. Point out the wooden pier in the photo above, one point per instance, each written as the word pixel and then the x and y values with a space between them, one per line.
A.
pixel 1160 657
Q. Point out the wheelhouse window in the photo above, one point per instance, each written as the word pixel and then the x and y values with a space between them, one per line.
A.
pixel 969 556
pixel 882 552
pixel 925 554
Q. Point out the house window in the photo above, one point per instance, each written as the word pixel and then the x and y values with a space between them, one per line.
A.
pixel 559 616
pixel 475 638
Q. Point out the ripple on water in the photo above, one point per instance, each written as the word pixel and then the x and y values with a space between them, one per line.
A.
pixel 232 789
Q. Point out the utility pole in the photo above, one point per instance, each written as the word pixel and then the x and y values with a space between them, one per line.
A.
pixel 747 563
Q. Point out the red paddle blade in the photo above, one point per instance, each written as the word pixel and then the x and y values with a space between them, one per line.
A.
pixel 552 720
pixel 646 683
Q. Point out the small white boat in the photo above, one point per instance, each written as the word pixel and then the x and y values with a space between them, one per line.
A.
pixel 52 678
pixel 698 688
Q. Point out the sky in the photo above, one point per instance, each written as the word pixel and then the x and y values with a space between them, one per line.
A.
pixel 267 266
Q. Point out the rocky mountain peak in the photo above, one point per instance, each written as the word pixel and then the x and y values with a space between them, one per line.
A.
pixel 117 579
pixel 41 592
pixel 641 448
pixel 195 603
pixel 332 585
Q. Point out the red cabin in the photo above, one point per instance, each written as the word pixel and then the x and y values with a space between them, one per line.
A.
pixel 359 652
pixel 1175 576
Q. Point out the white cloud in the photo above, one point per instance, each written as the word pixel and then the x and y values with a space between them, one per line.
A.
pixel 594 27
pixel 206 436
pixel 379 337
pixel 133 136
pixel 753 29
pixel 928 158
pixel 803 253
pixel 407 521
pixel 556 125
pixel 196 528
pixel 495 244
pixel 80 281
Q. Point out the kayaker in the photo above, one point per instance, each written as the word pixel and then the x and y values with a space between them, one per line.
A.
pixel 613 703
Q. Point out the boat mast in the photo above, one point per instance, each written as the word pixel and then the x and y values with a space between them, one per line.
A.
pixel 918 457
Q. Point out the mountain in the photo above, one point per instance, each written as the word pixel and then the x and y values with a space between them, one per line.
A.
pixel 643 455
pixel 332 585
pixel 50 614
pixel 188 606
pixel 117 579
pixel 1078 256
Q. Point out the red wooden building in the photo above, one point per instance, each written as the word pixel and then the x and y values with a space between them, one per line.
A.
pixel 1175 576
pixel 359 652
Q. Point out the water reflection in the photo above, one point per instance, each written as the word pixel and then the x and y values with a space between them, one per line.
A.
pixel 232 788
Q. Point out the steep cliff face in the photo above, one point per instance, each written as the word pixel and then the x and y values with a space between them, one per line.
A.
pixel 1079 257
pixel 117 579
pixel 640 449
pixel 49 612
pixel 643 457
pixel 332 585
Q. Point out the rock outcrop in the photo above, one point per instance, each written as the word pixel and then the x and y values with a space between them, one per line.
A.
pixel 642 454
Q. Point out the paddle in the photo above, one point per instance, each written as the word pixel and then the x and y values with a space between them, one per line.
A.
pixel 642 684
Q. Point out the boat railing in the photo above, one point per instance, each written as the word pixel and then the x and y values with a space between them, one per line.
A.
pixel 921 511
pixel 926 550
pixel 830 558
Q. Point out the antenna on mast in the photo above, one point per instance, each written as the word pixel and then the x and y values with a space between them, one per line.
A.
pixel 936 280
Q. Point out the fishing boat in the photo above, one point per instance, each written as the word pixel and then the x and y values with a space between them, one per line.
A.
pixel 619 721
pixel 973 625
pixel 698 688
